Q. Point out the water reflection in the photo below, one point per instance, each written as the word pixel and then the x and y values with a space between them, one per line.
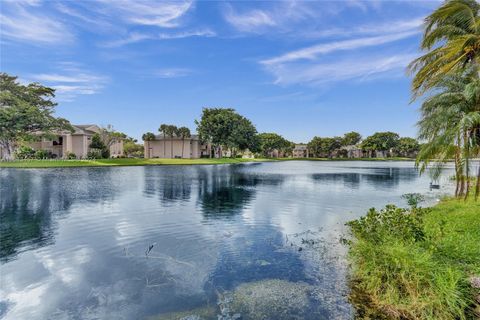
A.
pixel 73 241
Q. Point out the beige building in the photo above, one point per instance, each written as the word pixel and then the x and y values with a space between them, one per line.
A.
pixel 176 147
pixel 352 151
pixel 77 142
pixel 300 151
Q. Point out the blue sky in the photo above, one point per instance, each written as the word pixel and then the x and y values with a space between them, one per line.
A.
pixel 297 68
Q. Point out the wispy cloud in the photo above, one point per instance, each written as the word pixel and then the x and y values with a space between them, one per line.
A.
pixel 329 47
pixel 172 73
pixel 138 37
pixel 357 69
pixel 20 21
pixel 162 14
pixel 71 81
pixel 248 21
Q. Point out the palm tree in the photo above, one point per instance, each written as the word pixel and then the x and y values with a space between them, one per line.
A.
pixel 171 132
pixel 450 123
pixel 147 137
pixel 452 39
pixel 163 130
pixel 184 133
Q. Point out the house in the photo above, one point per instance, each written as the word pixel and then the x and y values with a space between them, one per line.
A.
pixel 300 151
pixel 352 151
pixel 176 147
pixel 77 142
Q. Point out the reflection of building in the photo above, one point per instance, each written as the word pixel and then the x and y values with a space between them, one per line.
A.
pixel 77 142
pixel 300 151
pixel 176 147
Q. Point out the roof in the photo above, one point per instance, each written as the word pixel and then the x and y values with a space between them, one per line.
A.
pixel 161 137
pixel 86 128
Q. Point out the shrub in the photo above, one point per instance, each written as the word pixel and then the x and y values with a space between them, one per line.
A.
pixel 413 199
pixel 24 152
pixel 71 156
pixel 42 154
pixel 94 154
pixel 390 222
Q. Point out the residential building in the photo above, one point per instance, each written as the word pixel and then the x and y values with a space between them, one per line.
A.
pixel 176 147
pixel 76 142
pixel 300 151
pixel 352 151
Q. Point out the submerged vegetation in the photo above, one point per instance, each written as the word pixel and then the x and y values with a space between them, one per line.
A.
pixel 417 263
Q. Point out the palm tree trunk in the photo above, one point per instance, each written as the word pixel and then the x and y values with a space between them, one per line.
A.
pixel 164 145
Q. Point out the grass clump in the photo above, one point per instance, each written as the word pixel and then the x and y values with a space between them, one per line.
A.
pixel 416 263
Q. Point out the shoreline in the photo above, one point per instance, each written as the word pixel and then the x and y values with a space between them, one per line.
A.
pixel 130 162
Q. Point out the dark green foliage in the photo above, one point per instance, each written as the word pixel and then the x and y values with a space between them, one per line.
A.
pixel 43 154
pixel 379 225
pixel 26 110
pixel 149 136
pixel 98 149
pixel 351 138
pixel 381 141
pixel 269 142
pixel 324 147
pixel 224 127
pixel 413 199
pixel 71 156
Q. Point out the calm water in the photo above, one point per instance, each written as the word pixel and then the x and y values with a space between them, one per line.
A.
pixel 74 242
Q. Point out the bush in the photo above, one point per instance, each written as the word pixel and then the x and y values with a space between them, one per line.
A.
pixel 390 222
pixel 42 154
pixel 71 156
pixel 94 154
pixel 24 152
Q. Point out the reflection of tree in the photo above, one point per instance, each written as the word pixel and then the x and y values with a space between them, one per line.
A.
pixel 224 191
pixel 30 201
pixel 380 178
pixel 169 183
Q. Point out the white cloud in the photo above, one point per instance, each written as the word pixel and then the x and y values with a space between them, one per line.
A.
pixel 349 69
pixel 71 82
pixel 329 47
pixel 137 37
pixel 20 21
pixel 249 21
pixel 151 13
pixel 172 73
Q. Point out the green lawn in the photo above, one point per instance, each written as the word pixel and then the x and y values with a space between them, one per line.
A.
pixel 152 162
pixel 119 162
pixel 396 277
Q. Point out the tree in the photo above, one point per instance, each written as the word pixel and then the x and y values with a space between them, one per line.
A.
pixel 407 146
pixel 351 138
pixel 147 137
pixel 225 127
pixel 100 150
pixel 184 133
pixel 324 147
pixel 163 130
pixel 171 131
pixel 268 142
pixel 132 148
pixel 451 39
pixel 380 141
pixel 26 113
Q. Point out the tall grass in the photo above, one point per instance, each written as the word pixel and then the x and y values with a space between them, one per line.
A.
pixel 416 264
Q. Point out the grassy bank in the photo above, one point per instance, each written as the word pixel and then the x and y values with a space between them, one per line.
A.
pixel 119 162
pixel 417 265
pixel 152 162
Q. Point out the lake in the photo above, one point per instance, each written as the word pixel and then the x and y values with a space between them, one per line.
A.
pixel 259 240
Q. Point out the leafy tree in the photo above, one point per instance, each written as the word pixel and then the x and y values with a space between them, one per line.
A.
pixel 321 147
pixel 184 133
pixel 100 150
pixel 351 138
pixel 406 146
pixel 132 148
pixel 26 113
pixel 225 127
pixel 268 142
pixel 451 39
pixel 380 141
pixel 110 136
